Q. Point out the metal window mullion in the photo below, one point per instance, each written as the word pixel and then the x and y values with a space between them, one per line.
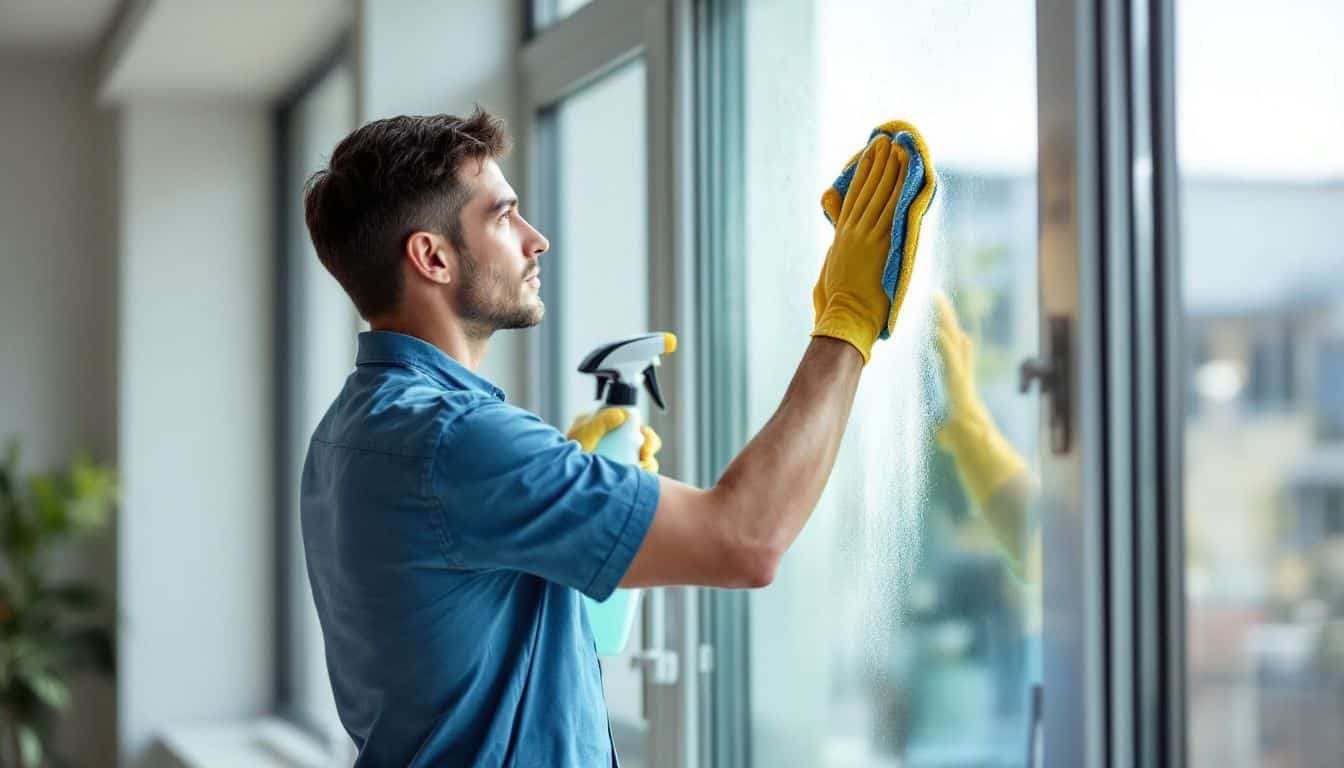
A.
pixel 1123 494
pixel 1069 86
pixel 289 293
pixel 542 160
pixel 1142 379
pixel 1170 374
pixel 667 45
pixel 1159 554
pixel 286 373
pixel 725 713
pixel 1148 699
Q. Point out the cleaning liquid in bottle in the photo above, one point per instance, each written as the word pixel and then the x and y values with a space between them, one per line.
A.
pixel 616 365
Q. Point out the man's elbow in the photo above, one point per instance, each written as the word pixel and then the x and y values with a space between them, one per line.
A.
pixel 748 552
pixel 755 557
pixel 759 567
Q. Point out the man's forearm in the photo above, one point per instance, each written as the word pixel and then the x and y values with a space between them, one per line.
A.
pixel 771 488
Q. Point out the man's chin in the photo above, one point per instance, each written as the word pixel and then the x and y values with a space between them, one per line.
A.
pixel 538 312
pixel 528 317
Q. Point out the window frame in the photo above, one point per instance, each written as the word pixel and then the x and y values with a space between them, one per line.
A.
pixel 555 62
pixel 1110 259
pixel 331 735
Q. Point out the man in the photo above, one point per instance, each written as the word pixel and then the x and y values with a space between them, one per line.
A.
pixel 448 534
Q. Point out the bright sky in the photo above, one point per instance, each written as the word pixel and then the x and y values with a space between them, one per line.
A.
pixel 1260 86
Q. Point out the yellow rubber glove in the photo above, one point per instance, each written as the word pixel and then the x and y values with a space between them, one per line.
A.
pixel 589 429
pixel 850 303
pixel 985 460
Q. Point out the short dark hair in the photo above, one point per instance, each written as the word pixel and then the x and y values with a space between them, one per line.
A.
pixel 386 180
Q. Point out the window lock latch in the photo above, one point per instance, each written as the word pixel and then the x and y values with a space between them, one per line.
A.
pixel 1053 374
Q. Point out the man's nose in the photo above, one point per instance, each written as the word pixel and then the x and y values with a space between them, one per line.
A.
pixel 537 244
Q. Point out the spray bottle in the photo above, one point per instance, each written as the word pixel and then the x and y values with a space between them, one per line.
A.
pixel 618 365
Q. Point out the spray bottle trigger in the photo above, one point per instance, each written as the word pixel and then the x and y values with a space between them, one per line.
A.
pixel 651 384
pixel 602 382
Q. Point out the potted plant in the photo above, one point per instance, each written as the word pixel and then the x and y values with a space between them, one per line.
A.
pixel 48 629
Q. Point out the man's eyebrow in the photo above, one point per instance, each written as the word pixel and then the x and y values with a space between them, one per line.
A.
pixel 501 204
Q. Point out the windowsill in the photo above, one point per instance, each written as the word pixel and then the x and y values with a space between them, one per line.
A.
pixel 266 743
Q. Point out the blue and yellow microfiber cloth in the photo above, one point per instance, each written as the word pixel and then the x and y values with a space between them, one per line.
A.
pixel 915 196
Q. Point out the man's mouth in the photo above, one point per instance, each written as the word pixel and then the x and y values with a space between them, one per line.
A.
pixel 534 279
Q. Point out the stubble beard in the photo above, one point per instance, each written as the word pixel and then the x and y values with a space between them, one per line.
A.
pixel 482 312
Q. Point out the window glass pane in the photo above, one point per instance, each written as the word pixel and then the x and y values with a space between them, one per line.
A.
pixel 1262 215
pixel 595 278
pixel 913 593
pixel 547 12
pixel 321 327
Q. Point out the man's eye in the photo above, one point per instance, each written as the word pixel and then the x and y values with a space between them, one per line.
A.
pixel 505 215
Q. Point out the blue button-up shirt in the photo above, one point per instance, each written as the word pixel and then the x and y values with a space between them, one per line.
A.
pixel 448 537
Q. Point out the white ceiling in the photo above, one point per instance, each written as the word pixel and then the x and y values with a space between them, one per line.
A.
pixel 249 49
pixel 53 26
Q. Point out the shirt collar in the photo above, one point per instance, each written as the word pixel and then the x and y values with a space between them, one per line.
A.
pixel 390 347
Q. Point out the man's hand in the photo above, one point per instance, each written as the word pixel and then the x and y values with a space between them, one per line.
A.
pixel 589 429
pixel 848 299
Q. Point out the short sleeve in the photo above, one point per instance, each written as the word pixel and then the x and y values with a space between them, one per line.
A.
pixel 515 494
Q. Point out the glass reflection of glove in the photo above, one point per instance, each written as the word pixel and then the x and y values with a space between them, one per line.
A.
pixel 589 429
pixel 848 298
pixel 985 460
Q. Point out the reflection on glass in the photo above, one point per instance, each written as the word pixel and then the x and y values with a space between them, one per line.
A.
pixel 902 628
pixel 322 352
pixel 597 267
pixel 1263 260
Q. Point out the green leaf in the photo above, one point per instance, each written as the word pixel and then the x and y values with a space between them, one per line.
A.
pixel 26 650
pixel 76 501
pixel 30 746
pixel 87 514
pixel 48 688
pixel 49 502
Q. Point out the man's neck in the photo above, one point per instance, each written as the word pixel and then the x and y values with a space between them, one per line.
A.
pixel 451 338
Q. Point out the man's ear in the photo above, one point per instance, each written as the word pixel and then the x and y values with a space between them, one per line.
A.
pixel 431 255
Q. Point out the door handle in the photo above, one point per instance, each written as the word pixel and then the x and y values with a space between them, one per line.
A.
pixel 1054 374
pixel 661 666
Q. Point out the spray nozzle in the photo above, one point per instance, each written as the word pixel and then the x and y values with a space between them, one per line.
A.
pixel 618 365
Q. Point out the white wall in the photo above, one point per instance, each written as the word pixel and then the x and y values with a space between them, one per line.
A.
pixel 431 56
pixel 58 312
pixel 196 539
pixel 56 305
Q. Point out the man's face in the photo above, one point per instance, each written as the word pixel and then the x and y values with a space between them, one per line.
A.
pixel 499 277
